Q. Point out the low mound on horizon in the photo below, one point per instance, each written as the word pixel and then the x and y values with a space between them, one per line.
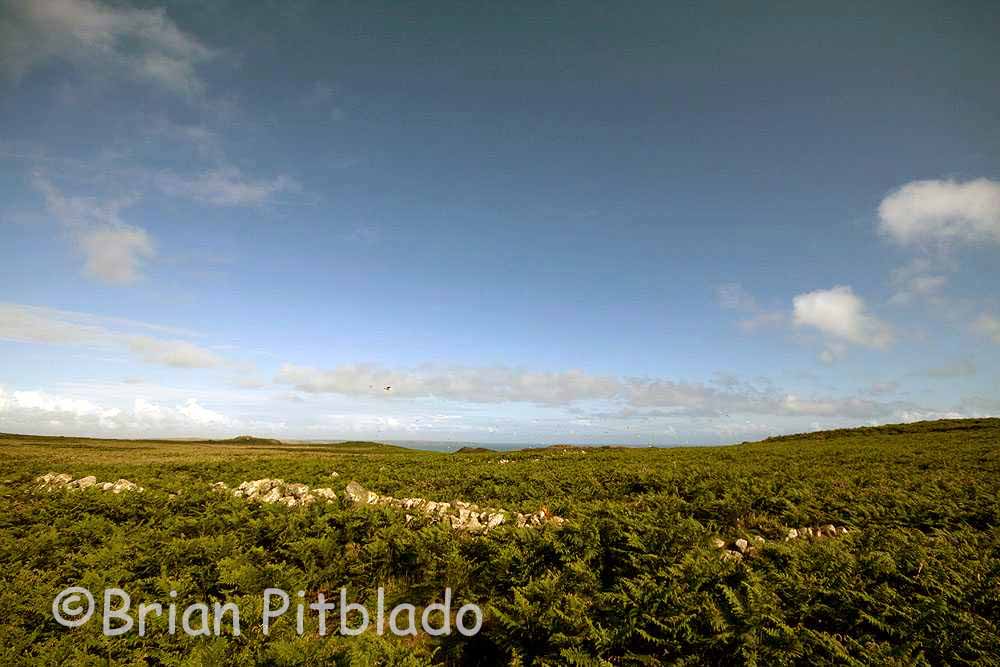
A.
pixel 253 440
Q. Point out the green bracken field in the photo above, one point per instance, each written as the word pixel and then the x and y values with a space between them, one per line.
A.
pixel 631 578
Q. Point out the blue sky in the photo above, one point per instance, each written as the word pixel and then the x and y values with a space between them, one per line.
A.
pixel 533 222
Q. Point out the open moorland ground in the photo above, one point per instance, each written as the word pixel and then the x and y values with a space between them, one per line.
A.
pixel 633 576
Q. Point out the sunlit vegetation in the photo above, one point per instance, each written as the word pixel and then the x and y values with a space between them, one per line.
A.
pixel 631 578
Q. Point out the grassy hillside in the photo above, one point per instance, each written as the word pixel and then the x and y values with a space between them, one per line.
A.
pixel 632 577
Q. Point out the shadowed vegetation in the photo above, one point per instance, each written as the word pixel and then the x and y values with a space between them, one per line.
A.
pixel 631 578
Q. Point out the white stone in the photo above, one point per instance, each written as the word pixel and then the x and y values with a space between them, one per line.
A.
pixel 297 490
pixel 323 492
pixel 272 496
pixel 85 482
pixel 123 485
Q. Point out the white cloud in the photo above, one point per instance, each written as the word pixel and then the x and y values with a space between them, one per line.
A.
pixel 28 324
pixel 989 326
pixel 922 279
pixel 98 38
pixel 43 402
pixel 855 408
pixel 698 400
pixel 201 416
pixel 926 285
pixel 732 296
pixel 366 423
pixel 841 316
pixel 176 353
pixel 939 211
pixel 643 398
pixel 249 381
pixel 84 212
pixel 691 396
pixel 44 412
pixel 115 255
pixel 478 385
pixel 114 252
pixel 37 322
pixel 224 187
pixel 908 416
pixel 765 319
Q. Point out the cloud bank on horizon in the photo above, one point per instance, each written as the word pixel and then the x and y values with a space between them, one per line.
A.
pixel 205 231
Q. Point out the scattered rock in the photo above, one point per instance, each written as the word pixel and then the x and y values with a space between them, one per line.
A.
pixel 750 547
pixel 272 496
pixel 731 555
pixel 297 490
pixel 84 482
pixel 326 494
pixel 124 485
pixel 459 515
pixel 52 481
pixel 277 491
pixel 359 494
pixel 820 532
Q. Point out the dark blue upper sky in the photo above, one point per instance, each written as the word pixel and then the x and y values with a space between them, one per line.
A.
pixel 567 221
